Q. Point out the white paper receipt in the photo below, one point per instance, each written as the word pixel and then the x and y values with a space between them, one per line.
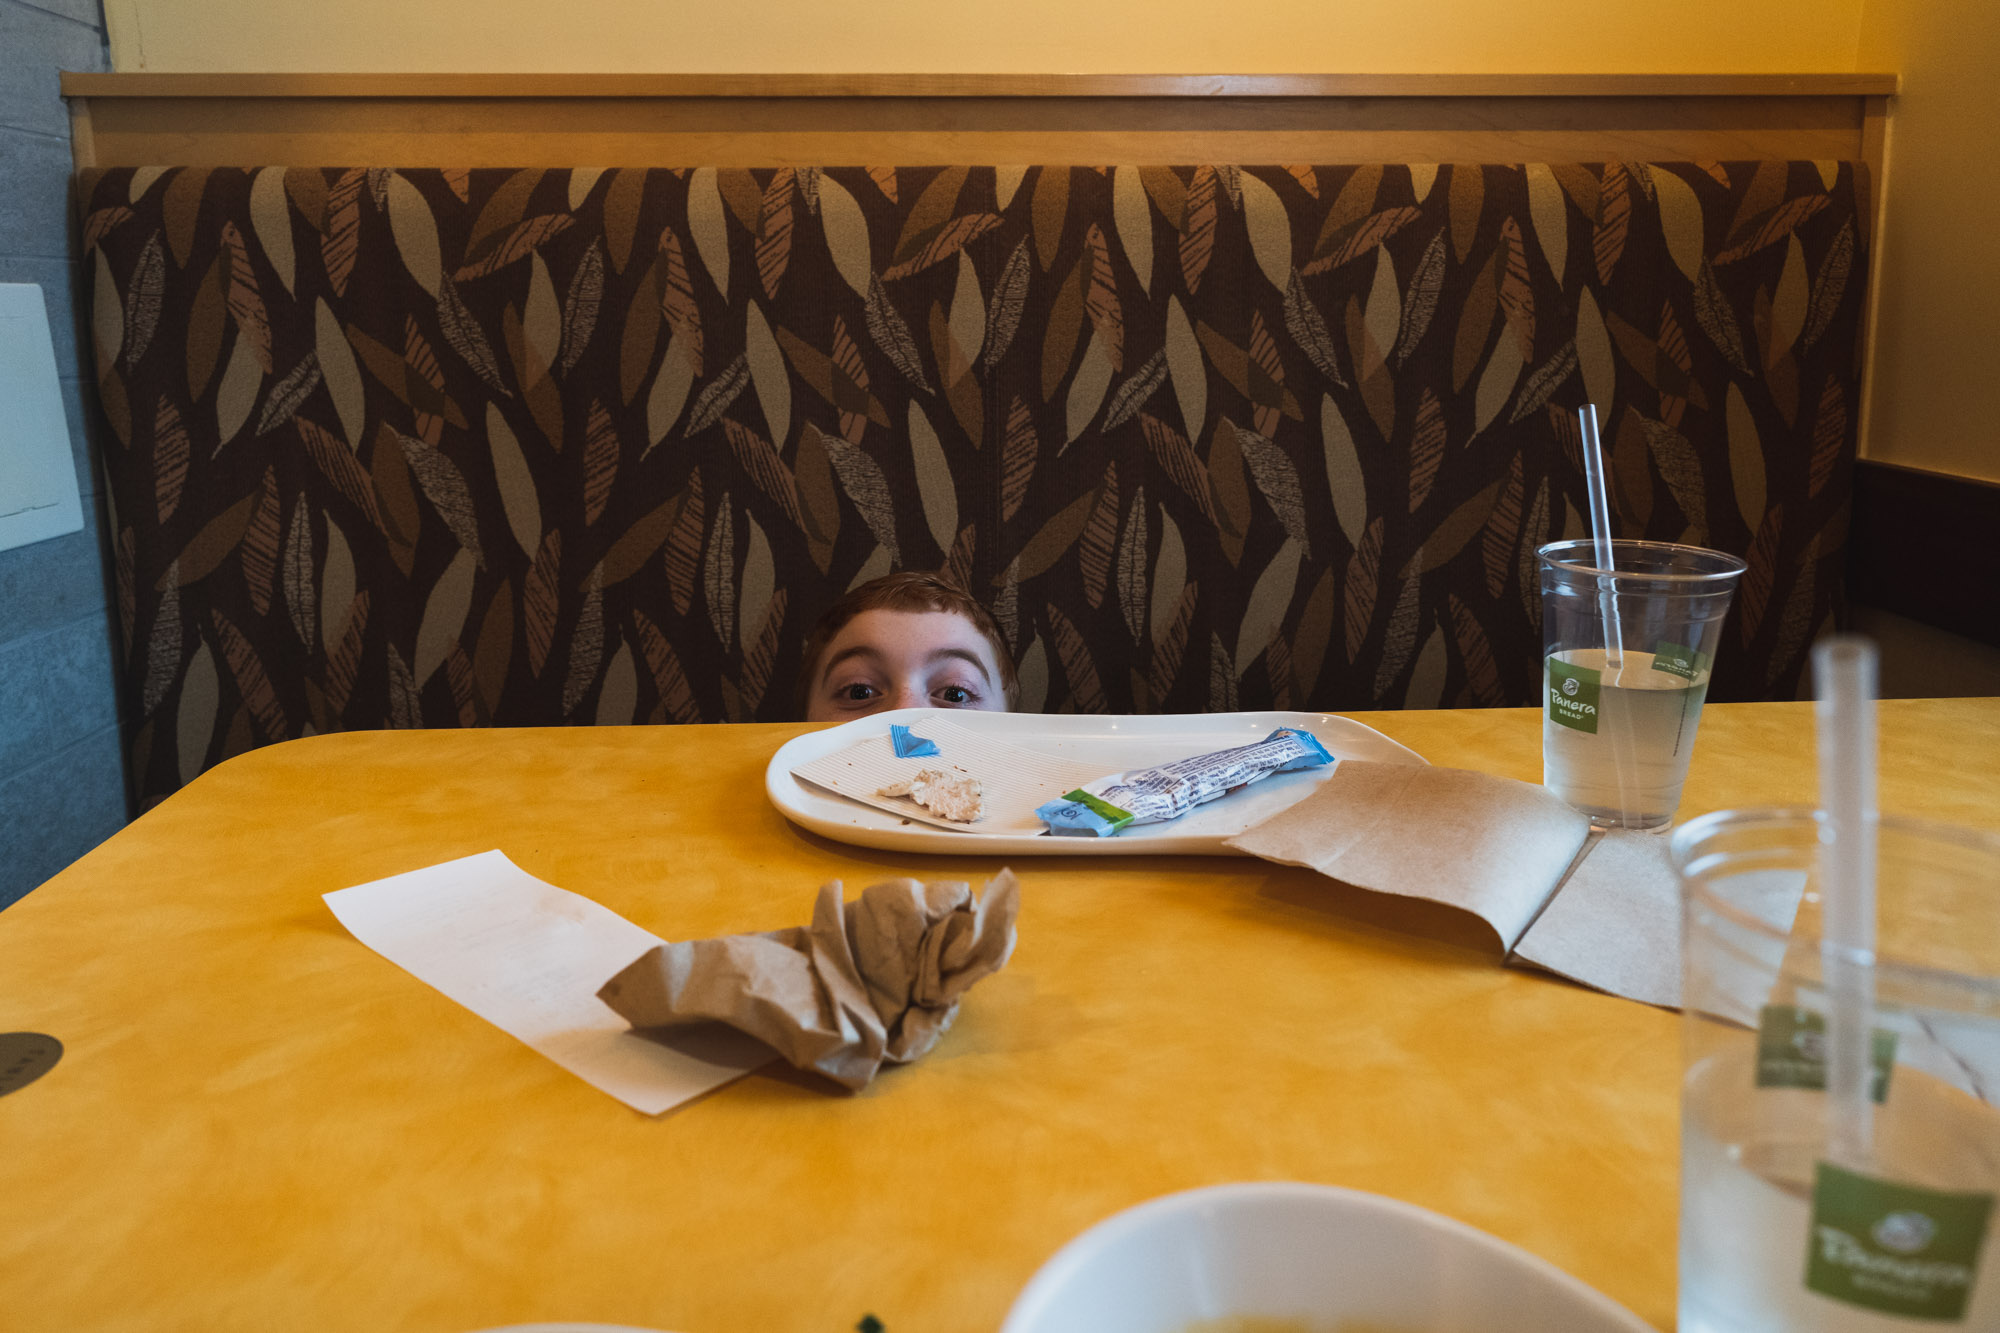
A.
pixel 1012 780
pixel 528 958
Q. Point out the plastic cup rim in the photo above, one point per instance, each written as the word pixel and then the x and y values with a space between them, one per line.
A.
pixel 1734 566
pixel 1695 830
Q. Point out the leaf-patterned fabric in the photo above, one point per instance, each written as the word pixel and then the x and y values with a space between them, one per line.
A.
pixel 455 447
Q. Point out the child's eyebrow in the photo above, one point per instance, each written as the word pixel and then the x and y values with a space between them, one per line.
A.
pixel 858 650
pixel 963 655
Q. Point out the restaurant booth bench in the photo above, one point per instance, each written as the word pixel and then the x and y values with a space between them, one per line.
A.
pixel 448 447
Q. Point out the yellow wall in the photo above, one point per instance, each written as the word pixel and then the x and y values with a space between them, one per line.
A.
pixel 1937 326
pixel 956 36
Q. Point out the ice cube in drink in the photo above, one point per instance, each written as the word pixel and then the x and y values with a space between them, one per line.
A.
pixel 1616 742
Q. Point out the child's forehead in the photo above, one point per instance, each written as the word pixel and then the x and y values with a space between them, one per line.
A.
pixel 890 633
pixel 893 625
pixel 903 618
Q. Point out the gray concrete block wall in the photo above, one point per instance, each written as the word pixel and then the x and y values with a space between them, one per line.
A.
pixel 62 781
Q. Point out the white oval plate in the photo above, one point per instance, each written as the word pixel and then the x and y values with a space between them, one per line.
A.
pixel 1317 1254
pixel 1116 742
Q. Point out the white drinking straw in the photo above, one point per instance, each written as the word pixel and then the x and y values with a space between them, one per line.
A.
pixel 1600 534
pixel 1844 671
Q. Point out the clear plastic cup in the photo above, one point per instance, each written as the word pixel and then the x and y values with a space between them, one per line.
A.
pixel 1619 712
pixel 1780 1231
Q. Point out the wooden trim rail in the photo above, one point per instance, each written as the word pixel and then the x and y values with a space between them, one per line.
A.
pixel 916 119
pixel 978 85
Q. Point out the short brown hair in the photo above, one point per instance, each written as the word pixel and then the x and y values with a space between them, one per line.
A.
pixel 905 590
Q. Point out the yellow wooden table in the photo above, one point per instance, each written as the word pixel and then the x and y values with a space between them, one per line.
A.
pixel 261 1125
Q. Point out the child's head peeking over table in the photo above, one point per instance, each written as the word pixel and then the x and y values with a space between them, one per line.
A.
pixel 905 640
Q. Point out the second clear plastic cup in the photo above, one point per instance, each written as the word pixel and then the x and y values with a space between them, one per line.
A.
pixel 1620 711
pixel 1785 1228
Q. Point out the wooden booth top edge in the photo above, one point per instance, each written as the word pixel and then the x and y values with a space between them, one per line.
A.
pixel 490 86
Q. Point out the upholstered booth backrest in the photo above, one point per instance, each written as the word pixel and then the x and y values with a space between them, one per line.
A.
pixel 437 447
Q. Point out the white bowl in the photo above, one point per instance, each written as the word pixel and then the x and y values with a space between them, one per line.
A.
pixel 1311 1253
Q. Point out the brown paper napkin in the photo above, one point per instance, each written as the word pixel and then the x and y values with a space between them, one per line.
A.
pixel 870 982
pixel 1599 908
pixel 1489 845
pixel 1615 924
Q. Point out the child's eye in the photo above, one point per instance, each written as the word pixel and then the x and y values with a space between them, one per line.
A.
pixel 955 694
pixel 858 692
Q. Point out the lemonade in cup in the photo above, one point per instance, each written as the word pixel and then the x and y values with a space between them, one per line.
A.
pixel 1627 656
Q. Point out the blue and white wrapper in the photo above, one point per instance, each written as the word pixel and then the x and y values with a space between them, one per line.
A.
pixel 1156 795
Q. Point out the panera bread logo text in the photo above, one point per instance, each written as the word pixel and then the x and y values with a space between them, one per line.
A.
pixel 1901 1249
pixel 1573 694
pixel 1906 1279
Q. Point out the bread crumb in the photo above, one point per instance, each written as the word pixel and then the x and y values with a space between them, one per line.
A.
pixel 960 800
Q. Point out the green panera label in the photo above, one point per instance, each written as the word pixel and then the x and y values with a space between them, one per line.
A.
pixel 1677 659
pixel 1791 1051
pixel 1573 695
pixel 1900 1249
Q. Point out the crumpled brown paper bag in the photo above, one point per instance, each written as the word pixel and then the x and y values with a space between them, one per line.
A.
pixel 872 981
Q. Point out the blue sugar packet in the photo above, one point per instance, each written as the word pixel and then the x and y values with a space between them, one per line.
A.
pixel 1081 815
pixel 908 746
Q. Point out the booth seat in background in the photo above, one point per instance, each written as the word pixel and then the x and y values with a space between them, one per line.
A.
pixel 464 447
